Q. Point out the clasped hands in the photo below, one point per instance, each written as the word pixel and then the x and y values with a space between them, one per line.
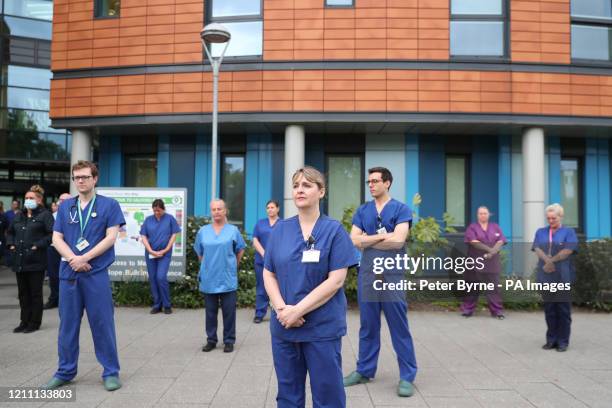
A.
pixel 157 254
pixel 79 263
pixel 549 265
pixel 289 317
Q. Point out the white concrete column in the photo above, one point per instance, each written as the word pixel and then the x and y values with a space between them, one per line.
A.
pixel 294 159
pixel 81 149
pixel 534 188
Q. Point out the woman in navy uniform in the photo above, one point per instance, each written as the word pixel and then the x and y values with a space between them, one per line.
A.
pixel 306 262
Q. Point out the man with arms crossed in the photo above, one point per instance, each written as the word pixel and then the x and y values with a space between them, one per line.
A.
pixel 382 224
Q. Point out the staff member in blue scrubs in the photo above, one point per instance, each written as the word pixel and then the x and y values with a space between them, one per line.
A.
pixel 219 247
pixel 261 233
pixel 84 234
pixel 383 224
pixel 158 234
pixel 53 264
pixel 555 245
pixel 306 262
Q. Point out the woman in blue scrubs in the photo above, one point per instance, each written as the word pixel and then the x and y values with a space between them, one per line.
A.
pixel 219 247
pixel 261 233
pixel 158 233
pixel 306 262
pixel 554 245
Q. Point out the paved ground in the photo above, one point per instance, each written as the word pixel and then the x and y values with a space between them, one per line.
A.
pixel 479 362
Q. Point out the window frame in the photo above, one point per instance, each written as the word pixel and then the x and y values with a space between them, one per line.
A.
pixel 223 156
pixel 589 22
pixel 504 18
pixel 581 189
pixel 208 18
pixel 361 157
pixel 126 159
pixel 341 6
pixel 96 10
pixel 468 188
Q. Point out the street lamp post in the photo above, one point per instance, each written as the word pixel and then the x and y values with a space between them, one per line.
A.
pixel 214 33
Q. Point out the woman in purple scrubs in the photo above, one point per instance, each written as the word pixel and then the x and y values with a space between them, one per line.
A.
pixel 484 240
pixel 261 233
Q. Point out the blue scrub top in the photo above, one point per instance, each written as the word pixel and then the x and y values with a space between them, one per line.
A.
pixel 393 213
pixel 108 214
pixel 218 269
pixel 159 232
pixel 262 232
pixel 297 279
pixel 563 238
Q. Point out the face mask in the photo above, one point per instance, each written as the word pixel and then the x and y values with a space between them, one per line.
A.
pixel 30 204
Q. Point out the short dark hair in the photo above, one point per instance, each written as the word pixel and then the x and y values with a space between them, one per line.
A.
pixel 273 202
pixel 158 203
pixel 384 173
pixel 85 164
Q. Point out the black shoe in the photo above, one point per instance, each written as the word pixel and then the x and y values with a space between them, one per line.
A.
pixel 19 329
pixel 549 346
pixel 155 310
pixel 31 328
pixel 561 349
pixel 228 348
pixel 167 310
pixel 50 305
pixel 500 317
pixel 466 314
pixel 257 320
pixel 208 347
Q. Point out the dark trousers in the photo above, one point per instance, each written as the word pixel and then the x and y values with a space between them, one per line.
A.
pixel 30 287
pixel 558 322
pixel 227 301
pixel 53 264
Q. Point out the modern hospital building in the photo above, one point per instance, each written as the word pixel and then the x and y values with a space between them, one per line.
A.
pixel 503 103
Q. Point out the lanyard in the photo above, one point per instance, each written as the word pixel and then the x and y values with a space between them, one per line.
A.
pixel 550 239
pixel 81 223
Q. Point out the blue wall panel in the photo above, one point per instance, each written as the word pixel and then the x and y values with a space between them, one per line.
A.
pixel 412 169
pixel 182 165
pixel 484 177
pixel 554 169
pixel 603 163
pixel 259 173
pixel 201 190
pixel 104 162
pixel 163 160
pixel 315 152
pixel 432 174
pixel 115 162
pixel 278 170
pixel 504 184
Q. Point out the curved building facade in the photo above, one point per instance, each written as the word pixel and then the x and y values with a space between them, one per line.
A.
pixel 501 103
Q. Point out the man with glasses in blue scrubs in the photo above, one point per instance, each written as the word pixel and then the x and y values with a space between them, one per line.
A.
pixel 84 234
pixel 382 224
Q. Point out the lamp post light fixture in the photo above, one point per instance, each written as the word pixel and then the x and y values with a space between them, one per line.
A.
pixel 214 33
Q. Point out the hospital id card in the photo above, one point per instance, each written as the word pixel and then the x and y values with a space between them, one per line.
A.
pixel 311 256
pixel 151 256
pixel 82 244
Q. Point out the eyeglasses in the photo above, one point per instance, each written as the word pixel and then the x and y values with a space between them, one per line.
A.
pixel 373 181
pixel 81 178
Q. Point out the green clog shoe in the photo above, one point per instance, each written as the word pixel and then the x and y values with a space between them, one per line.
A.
pixel 355 378
pixel 112 383
pixel 54 383
pixel 405 389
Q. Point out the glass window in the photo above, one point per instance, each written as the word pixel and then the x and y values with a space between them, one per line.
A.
pixel 23 98
pixel 25 27
pixel 456 189
pixel 38 9
pixel 246 39
pixel 232 188
pixel 29 77
pixel 20 119
pixel 570 192
pixel 224 8
pixel 347 3
pixel 141 171
pixel 591 42
pixel 476 7
pixel 107 8
pixel 345 184
pixel 477 38
pixel 478 28
pixel 592 9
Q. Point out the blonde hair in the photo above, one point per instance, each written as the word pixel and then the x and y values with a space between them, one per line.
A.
pixel 38 190
pixel 556 208
pixel 311 174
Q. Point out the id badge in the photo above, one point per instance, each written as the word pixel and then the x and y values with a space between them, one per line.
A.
pixel 151 256
pixel 311 256
pixel 82 244
pixel 381 230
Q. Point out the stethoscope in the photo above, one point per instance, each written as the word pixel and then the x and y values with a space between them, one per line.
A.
pixel 74 218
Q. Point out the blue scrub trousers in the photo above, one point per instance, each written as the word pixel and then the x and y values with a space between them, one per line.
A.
pixel 90 292
pixel 396 314
pixel 158 279
pixel 323 362
pixel 227 301
pixel 261 297
pixel 558 322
